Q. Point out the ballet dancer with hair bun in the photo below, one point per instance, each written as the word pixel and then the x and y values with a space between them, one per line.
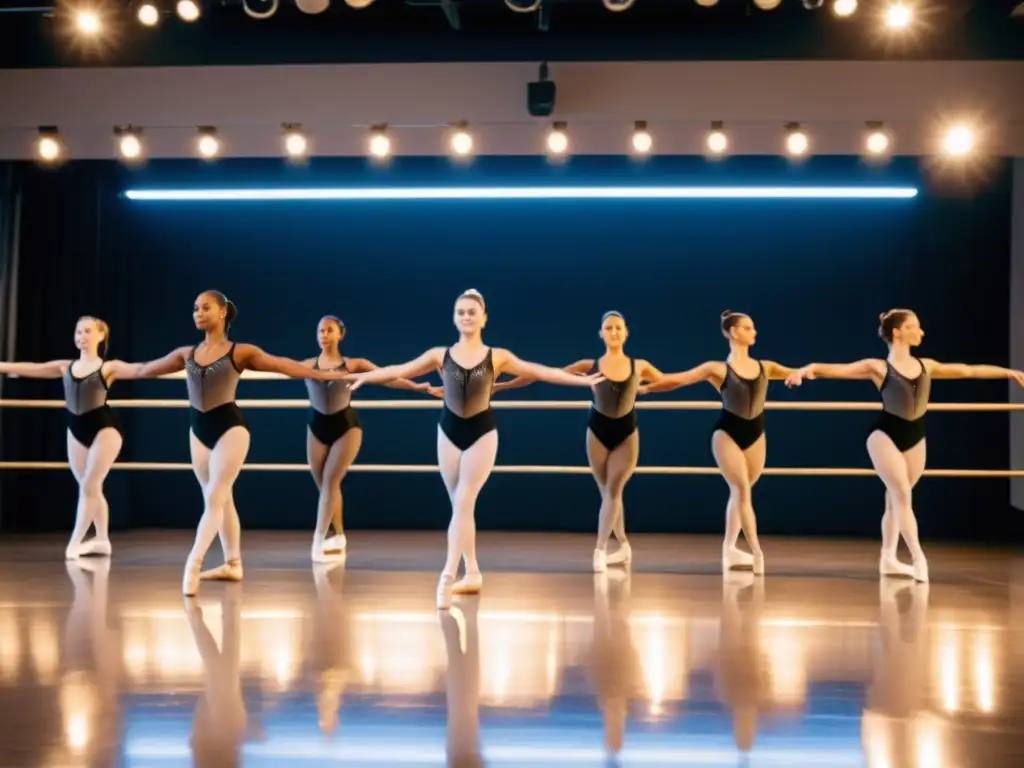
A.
pixel 613 441
pixel 334 434
pixel 467 436
pixel 219 435
pixel 94 432
pixel 896 441
pixel 738 439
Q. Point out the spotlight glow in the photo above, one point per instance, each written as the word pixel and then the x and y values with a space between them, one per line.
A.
pixel 380 145
pixel 959 141
pixel 295 144
pixel 525 193
pixel 877 143
pixel 208 145
pixel 642 141
pixel 48 149
pixel 718 142
pixel 844 8
pixel 148 15
pixel 462 143
pixel 558 139
pixel 797 143
pixel 188 10
pixel 898 16
pixel 130 146
pixel 88 22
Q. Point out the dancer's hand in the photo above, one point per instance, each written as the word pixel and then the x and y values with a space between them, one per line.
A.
pixel 643 389
pixel 422 386
pixel 435 391
pixel 594 378
pixel 796 378
pixel 355 380
pixel 1017 376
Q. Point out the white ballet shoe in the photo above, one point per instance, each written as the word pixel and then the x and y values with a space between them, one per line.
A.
pixel 470 584
pixel 734 557
pixel 97 547
pixel 229 571
pixel 889 565
pixel 622 556
pixel 921 569
pixel 318 554
pixel 73 552
pixel 444 592
pixel 758 564
pixel 336 543
pixel 190 579
pixel 600 561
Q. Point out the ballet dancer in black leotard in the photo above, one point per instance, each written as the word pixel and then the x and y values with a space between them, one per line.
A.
pixel 613 442
pixel 219 438
pixel 467 437
pixel 334 433
pixel 738 441
pixel 94 432
pixel 896 442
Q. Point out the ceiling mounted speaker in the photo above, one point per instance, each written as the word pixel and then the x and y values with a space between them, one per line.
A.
pixel 313 7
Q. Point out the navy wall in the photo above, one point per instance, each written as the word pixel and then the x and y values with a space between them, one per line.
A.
pixel 813 274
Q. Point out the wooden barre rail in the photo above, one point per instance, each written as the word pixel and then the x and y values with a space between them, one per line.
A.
pixel 540 405
pixel 531 469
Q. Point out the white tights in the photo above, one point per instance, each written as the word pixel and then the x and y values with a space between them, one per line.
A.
pixel 216 472
pixel 90 466
pixel 464 474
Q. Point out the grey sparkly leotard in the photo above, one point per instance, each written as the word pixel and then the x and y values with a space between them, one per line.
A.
pixel 467 415
pixel 742 416
pixel 85 401
pixel 613 413
pixel 211 395
pixel 331 414
pixel 904 405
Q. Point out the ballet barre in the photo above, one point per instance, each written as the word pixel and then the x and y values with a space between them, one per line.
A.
pixel 527 469
pixel 431 403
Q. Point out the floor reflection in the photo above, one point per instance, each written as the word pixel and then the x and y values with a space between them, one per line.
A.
pixel 349 665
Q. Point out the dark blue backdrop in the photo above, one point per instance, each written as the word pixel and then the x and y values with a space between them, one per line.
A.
pixel 814 275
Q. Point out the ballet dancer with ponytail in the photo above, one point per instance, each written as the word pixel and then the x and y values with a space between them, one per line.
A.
pixel 467 436
pixel 738 439
pixel 896 441
pixel 613 440
pixel 94 432
pixel 219 435
pixel 334 432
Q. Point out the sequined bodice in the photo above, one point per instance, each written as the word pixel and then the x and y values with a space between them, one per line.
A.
pixel 211 386
pixel 329 397
pixel 744 397
pixel 903 397
pixel 616 399
pixel 467 391
pixel 85 394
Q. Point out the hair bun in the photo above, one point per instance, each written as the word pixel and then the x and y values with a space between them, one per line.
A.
pixel 881 316
pixel 726 313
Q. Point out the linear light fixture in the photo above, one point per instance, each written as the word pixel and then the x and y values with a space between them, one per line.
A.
pixel 526 193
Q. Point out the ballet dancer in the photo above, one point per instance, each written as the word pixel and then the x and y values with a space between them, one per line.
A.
pixel 613 442
pixel 94 432
pixel 219 435
pixel 334 433
pixel 738 440
pixel 896 441
pixel 467 437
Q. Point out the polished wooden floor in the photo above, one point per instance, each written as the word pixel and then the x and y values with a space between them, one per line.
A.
pixel 820 663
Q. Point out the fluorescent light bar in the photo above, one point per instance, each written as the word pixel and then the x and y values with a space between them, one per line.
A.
pixel 527 193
